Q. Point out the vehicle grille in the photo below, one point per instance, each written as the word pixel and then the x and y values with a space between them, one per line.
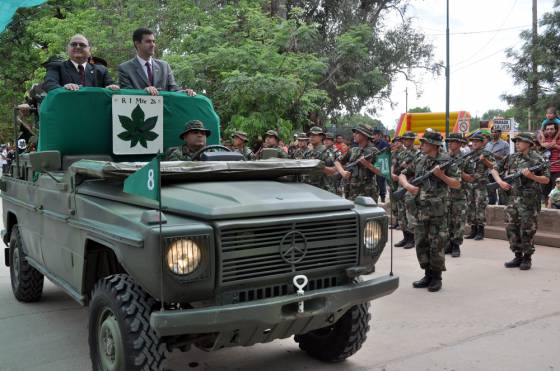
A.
pixel 249 253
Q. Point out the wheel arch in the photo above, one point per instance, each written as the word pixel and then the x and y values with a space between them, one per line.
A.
pixel 100 261
pixel 11 220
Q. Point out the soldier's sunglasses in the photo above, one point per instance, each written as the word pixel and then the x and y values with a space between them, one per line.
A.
pixel 81 45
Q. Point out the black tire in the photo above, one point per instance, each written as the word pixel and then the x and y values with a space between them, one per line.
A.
pixel 341 340
pixel 27 282
pixel 119 315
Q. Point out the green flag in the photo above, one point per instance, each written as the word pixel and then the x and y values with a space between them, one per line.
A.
pixel 145 182
pixel 383 162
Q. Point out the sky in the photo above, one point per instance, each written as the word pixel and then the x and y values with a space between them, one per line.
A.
pixel 477 54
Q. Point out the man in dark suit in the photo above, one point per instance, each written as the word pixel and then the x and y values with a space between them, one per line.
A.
pixel 145 72
pixel 76 71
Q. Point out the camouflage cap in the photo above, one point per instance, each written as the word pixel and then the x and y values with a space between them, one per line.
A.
pixel 315 130
pixel 432 137
pixel 363 129
pixel 240 134
pixel 302 136
pixel 194 125
pixel 525 137
pixel 329 136
pixel 456 137
pixel 409 135
pixel 396 138
pixel 477 135
pixel 272 133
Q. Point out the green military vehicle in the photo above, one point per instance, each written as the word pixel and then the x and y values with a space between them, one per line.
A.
pixel 239 256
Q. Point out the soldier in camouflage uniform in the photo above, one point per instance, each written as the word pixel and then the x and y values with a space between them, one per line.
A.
pixel 302 142
pixel 194 136
pixel 457 210
pixel 270 149
pixel 431 197
pixel 239 144
pixel 332 155
pixel 361 177
pixel 480 164
pixel 396 149
pixel 406 205
pixel 319 152
pixel 524 201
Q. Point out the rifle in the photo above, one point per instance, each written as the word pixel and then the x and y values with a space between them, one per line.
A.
pixel 399 193
pixel 354 163
pixel 510 178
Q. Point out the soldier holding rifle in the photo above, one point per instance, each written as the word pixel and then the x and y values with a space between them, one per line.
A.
pixel 525 171
pixel 431 197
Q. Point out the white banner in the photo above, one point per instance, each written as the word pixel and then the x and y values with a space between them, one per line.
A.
pixel 137 124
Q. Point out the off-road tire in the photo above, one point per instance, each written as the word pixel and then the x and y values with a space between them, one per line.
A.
pixel 27 282
pixel 341 340
pixel 130 307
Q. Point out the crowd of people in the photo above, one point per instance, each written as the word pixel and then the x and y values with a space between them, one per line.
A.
pixel 432 214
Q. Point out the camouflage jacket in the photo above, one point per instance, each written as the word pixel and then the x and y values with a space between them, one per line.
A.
pixel 278 153
pixel 318 153
pixel 523 185
pixel 299 153
pixel 179 153
pixel 432 198
pixel 405 160
pixel 245 151
pixel 332 155
pixel 354 154
pixel 477 169
pixel 462 166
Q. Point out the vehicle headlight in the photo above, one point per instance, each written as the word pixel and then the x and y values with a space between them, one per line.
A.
pixel 373 233
pixel 183 256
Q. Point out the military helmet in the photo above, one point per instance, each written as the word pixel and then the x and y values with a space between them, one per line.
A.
pixel 329 136
pixel 240 134
pixel 194 125
pixel 409 135
pixel 302 136
pixel 432 137
pixel 525 137
pixel 363 129
pixel 315 130
pixel 456 137
pixel 272 133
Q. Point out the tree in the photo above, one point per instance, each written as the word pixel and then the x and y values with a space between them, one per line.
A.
pixel 419 109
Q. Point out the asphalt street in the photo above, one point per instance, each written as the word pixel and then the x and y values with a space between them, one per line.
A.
pixel 485 318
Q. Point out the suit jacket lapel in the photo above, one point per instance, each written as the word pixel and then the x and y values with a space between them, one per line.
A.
pixel 141 72
pixel 72 72
pixel 90 75
pixel 157 71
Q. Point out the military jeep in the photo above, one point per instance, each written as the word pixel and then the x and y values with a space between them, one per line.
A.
pixel 238 255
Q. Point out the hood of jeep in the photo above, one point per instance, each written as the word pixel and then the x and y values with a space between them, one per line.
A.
pixel 231 199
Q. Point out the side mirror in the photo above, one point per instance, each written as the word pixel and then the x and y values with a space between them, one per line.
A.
pixel 45 161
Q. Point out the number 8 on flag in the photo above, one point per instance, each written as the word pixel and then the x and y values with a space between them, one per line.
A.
pixel 145 182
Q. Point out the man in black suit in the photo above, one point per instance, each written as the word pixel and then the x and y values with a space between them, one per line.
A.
pixel 145 72
pixel 76 71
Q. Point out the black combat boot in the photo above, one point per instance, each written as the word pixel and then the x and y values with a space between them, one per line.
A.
pixel 404 241
pixel 410 244
pixel 473 232
pixel 424 281
pixel 479 233
pixel 435 283
pixel 515 262
pixel 455 250
pixel 448 247
pixel 525 263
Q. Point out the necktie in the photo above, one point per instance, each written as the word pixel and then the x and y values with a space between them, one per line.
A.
pixel 82 75
pixel 150 75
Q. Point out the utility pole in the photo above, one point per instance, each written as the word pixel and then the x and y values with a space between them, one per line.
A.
pixel 534 87
pixel 406 100
pixel 447 74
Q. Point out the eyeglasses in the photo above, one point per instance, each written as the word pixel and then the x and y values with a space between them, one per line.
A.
pixel 81 45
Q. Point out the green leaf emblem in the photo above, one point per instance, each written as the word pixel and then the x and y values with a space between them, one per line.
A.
pixel 138 130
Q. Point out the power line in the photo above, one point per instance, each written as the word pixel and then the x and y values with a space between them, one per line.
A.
pixel 482 59
pixel 481 31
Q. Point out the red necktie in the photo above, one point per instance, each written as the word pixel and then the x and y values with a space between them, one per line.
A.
pixel 150 75
pixel 82 75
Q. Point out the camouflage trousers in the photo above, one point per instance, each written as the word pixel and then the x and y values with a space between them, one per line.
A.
pixel 394 204
pixel 457 216
pixel 521 224
pixel 431 235
pixel 477 199
pixel 406 211
pixel 361 187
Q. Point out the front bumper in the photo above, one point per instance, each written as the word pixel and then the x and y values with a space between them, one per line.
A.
pixel 276 317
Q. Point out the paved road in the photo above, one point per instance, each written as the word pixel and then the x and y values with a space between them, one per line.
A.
pixel 486 318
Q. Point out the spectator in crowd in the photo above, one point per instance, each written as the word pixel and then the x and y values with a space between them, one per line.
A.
pixel 500 149
pixel 380 143
pixel 340 145
pixel 551 145
pixel 551 117
pixel 554 196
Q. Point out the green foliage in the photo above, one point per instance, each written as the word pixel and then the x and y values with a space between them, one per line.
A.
pixel 420 109
pixel 281 65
